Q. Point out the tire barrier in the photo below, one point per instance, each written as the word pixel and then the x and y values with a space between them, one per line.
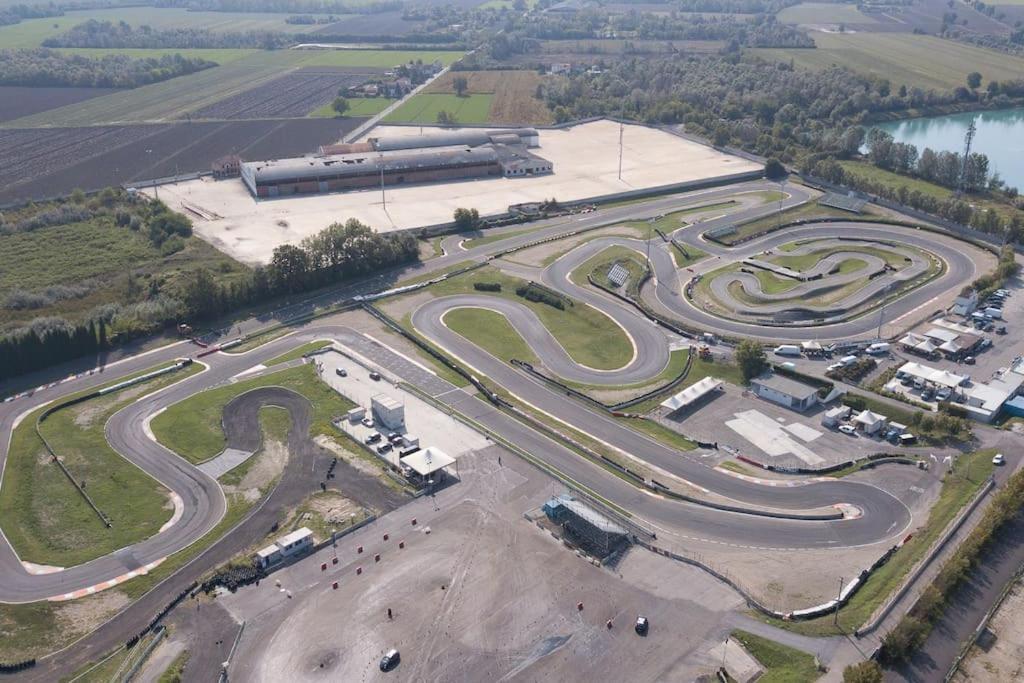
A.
pixel 234 578
pixel 155 621
pixel 17 667
pixel 873 460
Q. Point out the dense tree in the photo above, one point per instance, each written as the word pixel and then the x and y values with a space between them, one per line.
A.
pixel 339 105
pixel 42 67
pixel 459 85
pixel 751 359
pixel 466 219
pixel 864 672
pixel 106 34
pixel 974 80
pixel 446 118
pixel 774 170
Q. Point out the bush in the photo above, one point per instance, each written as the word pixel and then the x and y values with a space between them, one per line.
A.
pixel 532 292
pixel 899 643
pixel 487 286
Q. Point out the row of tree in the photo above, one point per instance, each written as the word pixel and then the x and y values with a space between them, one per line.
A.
pixel 107 35
pixel 43 67
pixel 943 168
pixel 287 6
pixel 14 14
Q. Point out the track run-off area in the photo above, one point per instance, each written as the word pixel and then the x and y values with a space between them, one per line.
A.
pixel 878 516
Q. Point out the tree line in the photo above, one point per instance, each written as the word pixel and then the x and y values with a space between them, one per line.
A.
pixel 44 67
pixel 107 34
pixel 286 6
pixel 14 14
pixel 943 168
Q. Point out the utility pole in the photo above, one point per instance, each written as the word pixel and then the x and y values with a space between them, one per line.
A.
pixel 383 199
pixel 968 139
pixel 650 229
pixel 839 597
pixel 782 197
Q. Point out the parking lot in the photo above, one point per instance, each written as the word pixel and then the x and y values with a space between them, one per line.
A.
pixel 423 421
pixel 743 424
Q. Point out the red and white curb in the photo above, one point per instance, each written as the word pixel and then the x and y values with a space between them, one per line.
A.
pixel 81 593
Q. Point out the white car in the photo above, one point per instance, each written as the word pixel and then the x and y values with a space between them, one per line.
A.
pixel 367 421
pixel 998 459
pixel 848 429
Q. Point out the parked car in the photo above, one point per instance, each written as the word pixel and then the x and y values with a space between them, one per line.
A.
pixel 341 372
pixel 373 438
pixel 969 360
pixel 367 421
pixel 375 376
pixel 390 660
pixel 384 448
pixel 928 394
pixel 641 626
pixel 943 394
pixel 998 459
pixel 849 430
pixel 1001 329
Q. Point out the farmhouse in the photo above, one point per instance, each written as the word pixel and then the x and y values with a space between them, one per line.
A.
pixel 400 160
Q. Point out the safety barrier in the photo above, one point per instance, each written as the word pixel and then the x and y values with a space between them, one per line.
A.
pixel 16 667
pixel 924 562
pixel 161 614
pixel 158 635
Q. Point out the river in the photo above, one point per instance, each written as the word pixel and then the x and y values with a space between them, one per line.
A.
pixel 1000 136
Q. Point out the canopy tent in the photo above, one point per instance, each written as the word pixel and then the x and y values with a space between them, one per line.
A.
pixel 691 394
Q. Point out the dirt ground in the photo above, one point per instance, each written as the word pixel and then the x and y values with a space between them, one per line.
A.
pixel 498 617
pixel 1004 660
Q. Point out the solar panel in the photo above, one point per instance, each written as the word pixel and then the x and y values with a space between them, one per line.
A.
pixel 618 275
pixel 844 202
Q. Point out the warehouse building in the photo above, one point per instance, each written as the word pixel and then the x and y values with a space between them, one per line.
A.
pixel 451 155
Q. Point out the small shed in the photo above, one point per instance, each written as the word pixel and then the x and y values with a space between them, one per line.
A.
pixel 869 422
pixel 834 416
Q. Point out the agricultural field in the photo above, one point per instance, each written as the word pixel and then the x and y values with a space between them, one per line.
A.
pixel 17 100
pixel 172 99
pixel 913 60
pixel 293 95
pixel 357 106
pixel 424 108
pixel 383 25
pixel 514 92
pixel 45 162
pixel 817 13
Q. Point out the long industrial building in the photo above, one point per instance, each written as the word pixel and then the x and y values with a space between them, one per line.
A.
pixel 399 160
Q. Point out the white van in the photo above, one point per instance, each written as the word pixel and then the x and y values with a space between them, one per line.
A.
pixel 787 350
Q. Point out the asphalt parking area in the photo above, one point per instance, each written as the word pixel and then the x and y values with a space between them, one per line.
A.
pixel 770 433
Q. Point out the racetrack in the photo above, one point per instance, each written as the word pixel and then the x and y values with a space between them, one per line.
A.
pixel 884 517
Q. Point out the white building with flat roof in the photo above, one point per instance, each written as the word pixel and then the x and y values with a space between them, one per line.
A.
pixel 387 411
pixel 293 544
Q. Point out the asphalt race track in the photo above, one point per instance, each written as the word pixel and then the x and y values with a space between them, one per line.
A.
pixel 883 516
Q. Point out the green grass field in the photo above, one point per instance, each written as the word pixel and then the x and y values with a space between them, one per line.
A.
pixel 357 106
pixel 586 334
pixel 490 331
pixel 782 664
pixel 101 254
pixel 175 97
pixel 868 170
pixel 423 108
pixel 192 428
pixel 45 518
pixel 903 59
pixel 298 352
pixel 823 13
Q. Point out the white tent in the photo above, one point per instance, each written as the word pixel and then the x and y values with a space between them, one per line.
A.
pixel 691 394
pixel 870 422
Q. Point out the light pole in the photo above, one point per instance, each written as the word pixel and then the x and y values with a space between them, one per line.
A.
pixel 839 598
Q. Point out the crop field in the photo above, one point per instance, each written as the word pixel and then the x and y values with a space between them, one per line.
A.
pixel 514 100
pixel 911 60
pixel 17 101
pixel 176 97
pixel 357 106
pixel 424 108
pixel 45 162
pixel 370 25
pixel 293 95
pixel 823 13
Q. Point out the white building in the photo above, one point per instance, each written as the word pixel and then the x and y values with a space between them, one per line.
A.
pixel 388 411
pixel 785 391
pixel 296 543
pixel 869 422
